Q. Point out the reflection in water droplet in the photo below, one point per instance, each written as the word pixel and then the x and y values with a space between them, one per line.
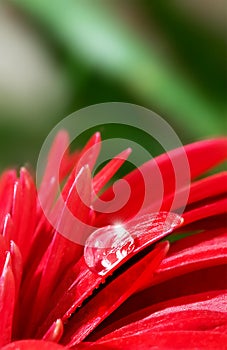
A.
pixel 109 245
pixel 106 247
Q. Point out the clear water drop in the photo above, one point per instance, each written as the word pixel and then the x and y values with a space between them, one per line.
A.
pixel 109 245
pixel 106 247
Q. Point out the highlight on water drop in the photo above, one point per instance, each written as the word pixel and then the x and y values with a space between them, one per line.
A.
pixel 106 247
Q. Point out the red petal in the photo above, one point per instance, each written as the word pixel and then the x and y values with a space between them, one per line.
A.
pixel 198 161
pixel 208 187
pixel 205 311
pixel 17 265
pixel 68 163
pixel 16 208
pixel 201 340
pixel 90 151
pixel 74 204
pixel 150 228
pixel 7 182
pixel 112 296
pixel 87 157
pixel 195 252
pixel 80 282
pixel 77 289
pixel 200 281
pixel 62 252
pixel 33 345
pixel 17 269
pixel 216 208
pixel 50 181
pixel 107 172
pixel 55 332
pixel 8 228
pixel 7 301
pixel 24 212
pixel 4 247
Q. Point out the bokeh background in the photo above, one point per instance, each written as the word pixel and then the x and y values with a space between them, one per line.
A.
pixel 57 56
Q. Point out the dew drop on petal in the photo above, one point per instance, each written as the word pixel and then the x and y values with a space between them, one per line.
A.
pixel 106 247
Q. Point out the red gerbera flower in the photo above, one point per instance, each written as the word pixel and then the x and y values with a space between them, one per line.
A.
pixel 131 290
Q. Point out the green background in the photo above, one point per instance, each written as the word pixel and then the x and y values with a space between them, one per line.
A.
pixel 57 56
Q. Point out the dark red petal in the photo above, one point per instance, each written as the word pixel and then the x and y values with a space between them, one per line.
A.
pixel 195 252
pixel 206 311
pixel 112 296
pixel 33 345
pixel 190 340
pixel 196 282
pixel 189 254
pixel 7 301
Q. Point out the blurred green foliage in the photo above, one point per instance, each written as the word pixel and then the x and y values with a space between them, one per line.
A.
pixel 60 55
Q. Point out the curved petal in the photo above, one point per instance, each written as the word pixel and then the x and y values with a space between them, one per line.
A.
pixel 202 340
pixel 201 250
pixel 197 282
pixel 7 182
pixel 7 300
pixel 206 311
pixel 214 208
pixel 204 189
pixel 198 161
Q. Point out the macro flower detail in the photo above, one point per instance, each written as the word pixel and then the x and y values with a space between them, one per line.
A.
pixel 153 280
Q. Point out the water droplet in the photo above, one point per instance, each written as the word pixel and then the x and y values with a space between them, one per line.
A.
pixel 106 247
